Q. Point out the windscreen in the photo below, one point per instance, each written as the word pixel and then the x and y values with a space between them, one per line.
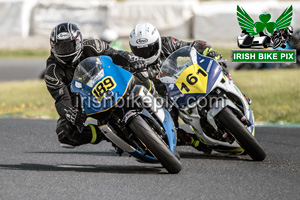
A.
pixel 176 63
pixel 89 71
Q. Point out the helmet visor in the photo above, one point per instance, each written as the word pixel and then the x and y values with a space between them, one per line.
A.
pixel 146 52
pixel 65 48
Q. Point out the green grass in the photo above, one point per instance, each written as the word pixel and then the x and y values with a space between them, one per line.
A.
pixel 24 53
pixel 275 95
pixel 27 99
pixel 224 51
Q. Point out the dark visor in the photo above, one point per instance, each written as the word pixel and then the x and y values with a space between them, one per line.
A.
pixel 146 52
pixel 65 48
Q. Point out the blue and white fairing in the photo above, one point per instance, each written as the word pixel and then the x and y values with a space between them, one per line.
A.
pixel 189 77
pixel 175 73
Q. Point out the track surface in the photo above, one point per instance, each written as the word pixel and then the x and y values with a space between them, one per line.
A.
pixel 33 166
pixel 23 69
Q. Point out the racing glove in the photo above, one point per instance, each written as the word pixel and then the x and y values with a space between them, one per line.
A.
pixel 211 53
pixel 137 64
pixel 75 116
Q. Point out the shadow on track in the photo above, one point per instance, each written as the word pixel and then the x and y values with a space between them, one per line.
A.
pixel 118 169
pixel 183 155
pixel 90 153
pixel 213 156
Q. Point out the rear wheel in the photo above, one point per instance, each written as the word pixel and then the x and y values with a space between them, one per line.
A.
pixel 241 134
pixel 155 145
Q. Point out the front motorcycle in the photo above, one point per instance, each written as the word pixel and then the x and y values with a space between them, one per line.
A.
pixel 109 94
pixel 210 103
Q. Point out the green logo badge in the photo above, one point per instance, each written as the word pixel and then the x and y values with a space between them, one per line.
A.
pixel 265 26
pixel 264 34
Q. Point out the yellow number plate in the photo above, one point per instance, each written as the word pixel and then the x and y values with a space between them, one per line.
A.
pixel 192 80
pixel 108 83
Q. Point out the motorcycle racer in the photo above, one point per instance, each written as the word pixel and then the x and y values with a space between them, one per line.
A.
pixel 146 42
pixel 67 50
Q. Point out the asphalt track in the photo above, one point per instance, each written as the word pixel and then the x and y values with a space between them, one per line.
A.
pixel 33 166
pixel 21 69
pixel 25 69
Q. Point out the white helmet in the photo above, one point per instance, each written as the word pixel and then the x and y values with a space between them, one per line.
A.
pixel 109 35
pixel 145 42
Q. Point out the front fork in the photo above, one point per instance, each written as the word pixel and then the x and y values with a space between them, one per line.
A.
pixel 152 110
pixel 220 105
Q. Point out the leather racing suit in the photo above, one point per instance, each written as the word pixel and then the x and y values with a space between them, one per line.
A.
pixel 58 78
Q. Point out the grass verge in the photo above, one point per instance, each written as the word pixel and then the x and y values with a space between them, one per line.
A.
pixel 24 53
pixel 275 95
pixel 26 99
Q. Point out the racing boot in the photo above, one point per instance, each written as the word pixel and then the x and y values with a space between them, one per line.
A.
pixel 70 137
pixel 184 138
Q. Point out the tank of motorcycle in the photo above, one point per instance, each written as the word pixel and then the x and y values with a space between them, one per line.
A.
pixel 102 87
pixel 189 76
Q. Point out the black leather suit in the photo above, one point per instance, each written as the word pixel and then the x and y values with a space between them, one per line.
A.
pixel 58 78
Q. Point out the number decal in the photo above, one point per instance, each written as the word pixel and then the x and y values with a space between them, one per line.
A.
pixel 103 86
pixel 192 80
pixel 183 86
pixel 109 83
pixel 202 72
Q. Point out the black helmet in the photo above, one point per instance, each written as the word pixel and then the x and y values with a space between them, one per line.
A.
pixel 66 42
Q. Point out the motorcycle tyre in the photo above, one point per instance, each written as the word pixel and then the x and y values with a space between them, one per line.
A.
pixel 155 144
pixel 241 134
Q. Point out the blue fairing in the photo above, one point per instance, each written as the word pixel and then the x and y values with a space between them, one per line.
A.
pixel 139 155
pixel 212 67
pixel 120 76
pixel 118 81
pixel 169 128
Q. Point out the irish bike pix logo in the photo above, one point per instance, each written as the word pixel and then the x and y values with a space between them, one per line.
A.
pixel 266 40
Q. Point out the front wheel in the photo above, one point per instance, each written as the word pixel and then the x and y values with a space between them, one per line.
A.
pixel 155 145
pixel 247 141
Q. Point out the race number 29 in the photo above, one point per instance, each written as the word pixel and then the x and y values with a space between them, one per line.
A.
pixel 103 86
